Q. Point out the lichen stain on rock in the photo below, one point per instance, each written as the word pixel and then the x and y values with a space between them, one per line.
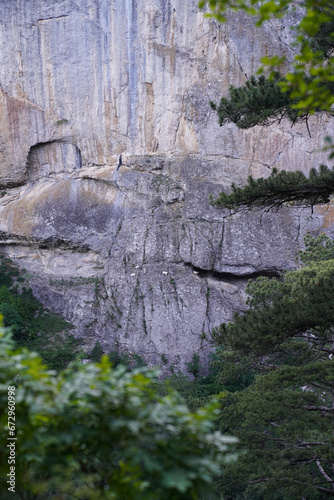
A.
pixel 327 213
pixel 19 118
pixel 150 140
pixel 22 215
pixel 186 141
pixel 61 208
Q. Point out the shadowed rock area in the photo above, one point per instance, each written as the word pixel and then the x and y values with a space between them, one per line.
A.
pixel 52 158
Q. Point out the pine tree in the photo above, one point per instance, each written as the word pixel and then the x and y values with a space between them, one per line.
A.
pixel 307 89
pixel 284 420
pixel 259 102
pixel 97 352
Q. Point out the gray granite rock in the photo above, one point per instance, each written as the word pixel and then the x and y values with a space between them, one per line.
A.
pixel 135 256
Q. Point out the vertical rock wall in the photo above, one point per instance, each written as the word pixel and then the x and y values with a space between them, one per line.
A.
pixel 135 256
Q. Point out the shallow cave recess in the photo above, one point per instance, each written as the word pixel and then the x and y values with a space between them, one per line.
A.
pixel 53 157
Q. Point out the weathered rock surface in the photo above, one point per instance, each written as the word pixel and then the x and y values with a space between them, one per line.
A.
pixel 136 257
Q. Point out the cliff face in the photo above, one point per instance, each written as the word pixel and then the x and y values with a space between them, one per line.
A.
pixel 136 257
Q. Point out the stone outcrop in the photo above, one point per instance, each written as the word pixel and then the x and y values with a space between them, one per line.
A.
pixel 136 257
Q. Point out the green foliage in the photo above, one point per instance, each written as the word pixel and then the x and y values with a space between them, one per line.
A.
pixel 7 272
pixel 194 365
pixel 196 393
pixel 164 359
pixel 11 317
pixel 285 421
pixel 32 325
pixel 281 310
pixel 225 374
pixel 323 41
pixel 285 417
pixel 117 358
pixel 138 360
pixel 97 353
pixel 310 84
pixel 231 371
pixel 95 432
pixel 280 188
pixel 130 361
pixel 317 249
pixel 259 102
pixel 62 121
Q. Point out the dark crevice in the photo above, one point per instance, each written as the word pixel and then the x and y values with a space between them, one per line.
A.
pixel 98 180
pixel 232 278
pixel 54 242
pixel 12 184
pixel 51 18
pixel 44 243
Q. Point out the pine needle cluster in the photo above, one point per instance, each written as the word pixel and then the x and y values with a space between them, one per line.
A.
pixel 284 418
pixel 280 188
pixel 260 101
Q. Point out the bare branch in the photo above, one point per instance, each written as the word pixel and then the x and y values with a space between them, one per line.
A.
pixel 320 408
pixel 320 386
pixel 323 472
pixel 325 490
pixel 257 481
pixel 274 424
pixel 312 443
pixel 304 462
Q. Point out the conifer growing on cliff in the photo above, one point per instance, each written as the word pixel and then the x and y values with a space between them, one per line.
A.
pixel 285 418
pixel 307 89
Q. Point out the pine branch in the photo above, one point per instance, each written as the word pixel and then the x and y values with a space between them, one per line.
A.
pixel 258 481
pixel 280 188
pixel 320 386
pixel 259 102
pixel 323 472
pixel 320 408
pixel 325 490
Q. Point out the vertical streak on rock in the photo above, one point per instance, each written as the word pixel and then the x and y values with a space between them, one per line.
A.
pixel 132 40
pixel 163 11
pixel 150 142
pixel 45 62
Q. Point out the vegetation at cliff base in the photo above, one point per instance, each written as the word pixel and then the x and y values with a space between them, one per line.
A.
pixel 285 418
pixel 94 432
pixel 32 325
pixel 274 365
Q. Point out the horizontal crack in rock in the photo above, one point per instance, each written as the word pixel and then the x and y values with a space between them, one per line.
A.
pixel 51 242
pixel 229 277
